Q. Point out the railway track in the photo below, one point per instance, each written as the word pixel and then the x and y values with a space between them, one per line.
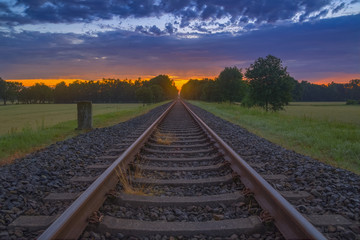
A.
pixel 178 179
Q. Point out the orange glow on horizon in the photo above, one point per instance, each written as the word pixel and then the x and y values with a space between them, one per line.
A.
pixel 48 82
pixel 180 80
pixel 336 78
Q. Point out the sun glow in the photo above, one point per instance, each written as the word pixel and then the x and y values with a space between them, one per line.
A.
pixel 337 78
pixel 52 82
pixel 48 82
pixel 179 81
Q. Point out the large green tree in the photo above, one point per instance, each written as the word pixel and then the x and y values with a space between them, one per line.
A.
pixel 230 84
pixel 270 83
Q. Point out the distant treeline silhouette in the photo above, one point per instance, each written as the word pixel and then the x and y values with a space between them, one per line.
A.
pixel 267 85
pixel 105 91
pixel 304 91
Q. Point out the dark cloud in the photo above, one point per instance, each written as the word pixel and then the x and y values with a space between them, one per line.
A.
pixel 155 30
pixel 209 12
pixel 64 11
pixel 187 16
pixel 244 19
pixel 338 8
pixel 174 6
pixel 308 49
pixel 140 29
pixel 201 28
pixel 170 28
pixel 4 8
pixel 321 14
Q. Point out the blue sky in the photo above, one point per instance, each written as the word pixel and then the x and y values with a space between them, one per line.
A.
pixel 319 40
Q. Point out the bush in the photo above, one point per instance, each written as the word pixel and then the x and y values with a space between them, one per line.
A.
pixel 352 102
pixel 247 101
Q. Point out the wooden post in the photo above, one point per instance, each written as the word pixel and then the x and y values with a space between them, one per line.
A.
pixel 84 114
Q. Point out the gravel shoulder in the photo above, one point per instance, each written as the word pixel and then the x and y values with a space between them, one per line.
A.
pixel 26 182
pixel 334 190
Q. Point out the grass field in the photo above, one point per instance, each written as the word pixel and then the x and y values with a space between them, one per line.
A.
pixel 14 118
pixel 329 132
pixel 328 111
pixel 25 128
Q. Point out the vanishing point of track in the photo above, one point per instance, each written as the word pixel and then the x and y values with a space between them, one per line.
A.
pixel 182 166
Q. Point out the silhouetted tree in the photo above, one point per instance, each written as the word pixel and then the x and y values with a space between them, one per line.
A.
pixel 168 86
pixel 206 89
pixel 158 93
pixel 3 89
pixel 330 92
pixel 297 91
pixel 161 88
pixel 353 89
pixel 210 91
pixel 270 84
pixel 13 91
pixel 230 84
pixel 61 93
pixel 144 94
pixel 10 91
pixel 192 90
pixel 38 93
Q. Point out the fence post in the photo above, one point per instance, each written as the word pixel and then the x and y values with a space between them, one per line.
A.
pixel 84 115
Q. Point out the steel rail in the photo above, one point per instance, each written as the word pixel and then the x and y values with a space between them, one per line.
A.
pixel 73 221
pixel 288 220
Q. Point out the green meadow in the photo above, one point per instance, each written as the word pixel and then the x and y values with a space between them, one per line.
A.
pixel 326 131
pixel 25 128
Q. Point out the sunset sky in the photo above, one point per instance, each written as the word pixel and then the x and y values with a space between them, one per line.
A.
pixel 319 40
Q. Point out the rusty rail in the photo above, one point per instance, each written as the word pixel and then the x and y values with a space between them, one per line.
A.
pixel 288 220
pixel 73 221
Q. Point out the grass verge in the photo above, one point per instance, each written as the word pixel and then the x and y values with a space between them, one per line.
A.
pixel 14 117
pixel 17 144
pixel 331 141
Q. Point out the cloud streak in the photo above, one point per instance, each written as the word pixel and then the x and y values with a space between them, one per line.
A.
pixel 188 13
pixel 309 49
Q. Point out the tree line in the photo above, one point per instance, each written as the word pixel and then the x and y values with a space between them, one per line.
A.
pixel 305 91
pixel 156 89
pixel 266 83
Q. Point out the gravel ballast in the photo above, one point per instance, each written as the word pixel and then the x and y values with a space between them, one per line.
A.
pixel 174 201
pixel 334 190
pixel 26 182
